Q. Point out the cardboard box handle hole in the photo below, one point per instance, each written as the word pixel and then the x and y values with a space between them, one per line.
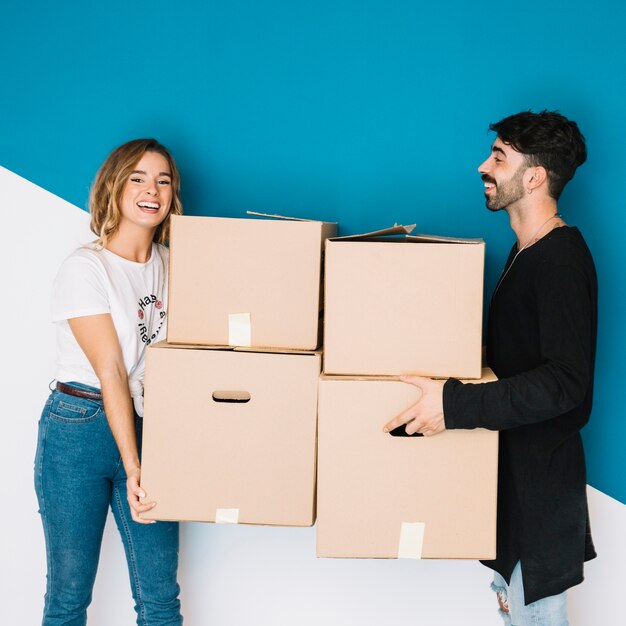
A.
pixel 400 432
pixel 231 396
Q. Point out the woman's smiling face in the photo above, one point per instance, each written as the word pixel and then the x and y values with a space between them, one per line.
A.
pixel 147 194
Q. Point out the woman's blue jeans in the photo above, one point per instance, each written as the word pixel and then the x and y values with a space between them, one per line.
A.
pixel 78 475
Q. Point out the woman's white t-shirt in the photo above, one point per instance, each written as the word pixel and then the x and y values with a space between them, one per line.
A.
pixel 93 280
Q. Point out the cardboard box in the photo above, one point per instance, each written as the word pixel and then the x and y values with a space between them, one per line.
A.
pixel 381 496
pixel 246 282
pixel 394 306
pixel 250 460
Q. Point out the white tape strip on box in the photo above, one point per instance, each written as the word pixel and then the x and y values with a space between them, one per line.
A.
pixel 411 540
pixel 239 329
pixel 226 516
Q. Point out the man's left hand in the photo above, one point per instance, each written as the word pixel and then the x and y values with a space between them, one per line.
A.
pixel 426 415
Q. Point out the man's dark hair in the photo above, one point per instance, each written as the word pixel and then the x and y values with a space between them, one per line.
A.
pixel 547 139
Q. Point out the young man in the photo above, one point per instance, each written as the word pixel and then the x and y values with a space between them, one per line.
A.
pixel 541 344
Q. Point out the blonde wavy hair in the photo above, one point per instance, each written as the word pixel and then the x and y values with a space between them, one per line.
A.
pixel 106 191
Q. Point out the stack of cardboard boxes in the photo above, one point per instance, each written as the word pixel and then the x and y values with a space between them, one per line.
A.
pixel 396 306
pixel 231 398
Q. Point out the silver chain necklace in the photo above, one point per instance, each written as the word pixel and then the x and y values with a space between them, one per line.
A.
pixel 531 240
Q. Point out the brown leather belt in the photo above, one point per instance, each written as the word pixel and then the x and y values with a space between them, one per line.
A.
pixel 79 393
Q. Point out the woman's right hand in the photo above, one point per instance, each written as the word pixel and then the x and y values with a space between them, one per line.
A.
pixel 97 337
pixel 133 493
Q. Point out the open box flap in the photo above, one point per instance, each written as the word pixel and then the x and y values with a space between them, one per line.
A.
pixel 284 217
pixel 396 229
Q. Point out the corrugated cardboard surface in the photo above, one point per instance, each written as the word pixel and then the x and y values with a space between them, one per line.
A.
pixel 269 269
pixel 201 456
pixel 394 307
pixel 371 483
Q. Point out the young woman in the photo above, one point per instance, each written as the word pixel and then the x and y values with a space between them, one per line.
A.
pixel 109 303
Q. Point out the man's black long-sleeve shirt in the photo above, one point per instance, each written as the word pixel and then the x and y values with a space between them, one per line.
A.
pixel 541 344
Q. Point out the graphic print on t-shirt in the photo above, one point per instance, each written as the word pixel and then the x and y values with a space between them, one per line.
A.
pixel 143 312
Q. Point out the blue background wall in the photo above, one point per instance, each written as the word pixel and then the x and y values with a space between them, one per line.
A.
pixel 358 111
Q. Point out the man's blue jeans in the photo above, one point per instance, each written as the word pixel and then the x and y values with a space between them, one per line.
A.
pixel 78 475
pixel 550 611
